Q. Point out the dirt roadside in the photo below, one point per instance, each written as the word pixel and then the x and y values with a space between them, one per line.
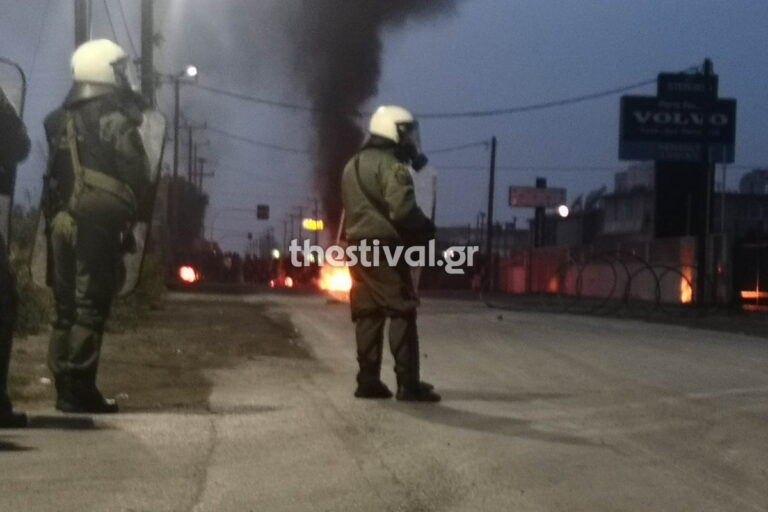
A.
pixel 161 365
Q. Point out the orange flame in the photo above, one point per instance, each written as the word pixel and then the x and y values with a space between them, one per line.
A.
pixel 753 295
pixel 335 279
pixel 686 290
pixel 188 274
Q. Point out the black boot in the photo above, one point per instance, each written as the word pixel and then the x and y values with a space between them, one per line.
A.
pixel 80 395
pixel 373 389
pixel 8 418
pixel 65 401
pixel 420 392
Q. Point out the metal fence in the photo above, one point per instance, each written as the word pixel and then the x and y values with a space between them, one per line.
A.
pixel 644 274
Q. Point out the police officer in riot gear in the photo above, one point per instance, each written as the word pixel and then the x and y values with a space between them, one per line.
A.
pixel 380 205
pixel 98 175
pixel 14 147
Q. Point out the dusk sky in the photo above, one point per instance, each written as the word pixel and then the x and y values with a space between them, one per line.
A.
pixel 486 54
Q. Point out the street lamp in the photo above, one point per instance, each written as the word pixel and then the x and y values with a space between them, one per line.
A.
pixel 188 74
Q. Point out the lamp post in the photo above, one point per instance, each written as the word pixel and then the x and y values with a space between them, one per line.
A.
pixel 189 73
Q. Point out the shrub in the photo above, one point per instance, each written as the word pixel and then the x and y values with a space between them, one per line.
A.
pixel 35 303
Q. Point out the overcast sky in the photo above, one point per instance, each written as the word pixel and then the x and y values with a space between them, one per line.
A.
pixel 488 54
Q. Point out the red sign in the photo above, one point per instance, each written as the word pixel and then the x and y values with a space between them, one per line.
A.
pixel 532 197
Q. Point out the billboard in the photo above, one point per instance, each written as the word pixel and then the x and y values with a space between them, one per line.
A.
pixel 686 86
pixel 533 197
pixel 677 129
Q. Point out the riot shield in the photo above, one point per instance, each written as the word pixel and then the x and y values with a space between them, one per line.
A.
pixel 153 131
pixel 425 189
pixel 12 92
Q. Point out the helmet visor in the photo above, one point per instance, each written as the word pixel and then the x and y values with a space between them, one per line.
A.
pixel 410 134
pixel 126 75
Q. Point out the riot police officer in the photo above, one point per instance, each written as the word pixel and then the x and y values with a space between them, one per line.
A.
pixel 98 175
pixel 380 205
pixel 14 147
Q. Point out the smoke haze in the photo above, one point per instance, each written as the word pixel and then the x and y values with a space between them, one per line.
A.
pixel 337 57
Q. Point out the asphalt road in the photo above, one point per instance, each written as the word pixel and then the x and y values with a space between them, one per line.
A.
pixel 541 413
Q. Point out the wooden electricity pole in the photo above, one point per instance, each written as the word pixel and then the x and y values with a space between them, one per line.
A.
pixel 148 51
pixel 82 13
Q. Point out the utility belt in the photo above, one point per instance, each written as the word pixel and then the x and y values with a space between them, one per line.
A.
pixel 89 179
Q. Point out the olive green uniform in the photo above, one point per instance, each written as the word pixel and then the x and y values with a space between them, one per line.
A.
pixel 14 147
pixel 92 205
pixel 379 200
pixel 8 307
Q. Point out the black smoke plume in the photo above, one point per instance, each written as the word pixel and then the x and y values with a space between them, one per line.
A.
pixel 338 59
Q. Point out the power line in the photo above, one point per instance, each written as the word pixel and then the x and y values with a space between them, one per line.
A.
pixel 258 143
pixel 293 185
pixel 567 168
pixel 109 19
pixel 440 115
pixel 484 143
pixel 276 147
pixel 41 31
pixel 127 28
pixel 554 168
pixel 537 106
pixel 255 99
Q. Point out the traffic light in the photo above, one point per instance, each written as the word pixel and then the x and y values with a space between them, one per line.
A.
pixel 262 212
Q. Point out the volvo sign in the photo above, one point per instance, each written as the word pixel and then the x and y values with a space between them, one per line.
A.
pixel 680 124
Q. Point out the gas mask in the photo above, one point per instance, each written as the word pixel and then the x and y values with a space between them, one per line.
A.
pixel 126 76
pixel 409 146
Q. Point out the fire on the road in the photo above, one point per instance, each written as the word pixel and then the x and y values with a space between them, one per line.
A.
pixel 188 274
pixel 336 281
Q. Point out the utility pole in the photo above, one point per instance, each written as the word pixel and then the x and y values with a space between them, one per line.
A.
pixel 300 222
pixel 202 174
pixel 194 162
pixel 190 155
pixel 192 173
pixel 82 13
pixel 148 51
pixel 703 293
pixel 176 118
pixel 317 218
pixel 539 218
pixel 173 191
pixel 489 229
pixel 481 228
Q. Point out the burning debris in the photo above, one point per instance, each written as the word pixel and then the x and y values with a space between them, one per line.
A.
pixel 336 282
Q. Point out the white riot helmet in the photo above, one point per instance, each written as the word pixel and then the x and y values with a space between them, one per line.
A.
pixel 398 125
pixel 102 61
pixel 389 121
